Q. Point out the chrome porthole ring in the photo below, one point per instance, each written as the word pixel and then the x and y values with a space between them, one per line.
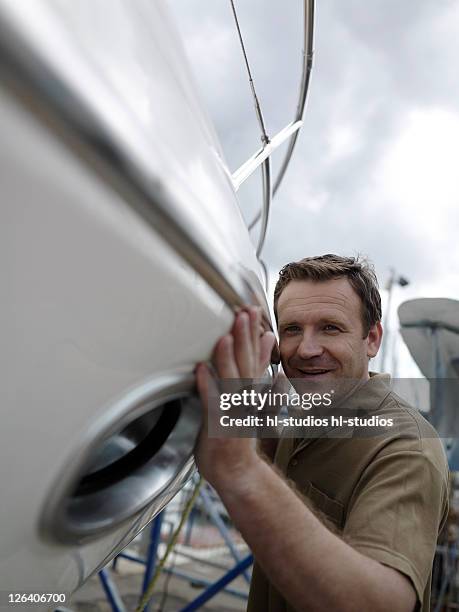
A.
pixel 128 458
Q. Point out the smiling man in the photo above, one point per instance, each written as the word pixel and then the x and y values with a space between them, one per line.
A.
pixel 322 330
pixel 338 523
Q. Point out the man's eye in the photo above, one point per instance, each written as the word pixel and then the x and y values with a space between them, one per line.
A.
pixel 331 327
pixel 291 329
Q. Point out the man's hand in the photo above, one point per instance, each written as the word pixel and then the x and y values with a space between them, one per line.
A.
pixel 242 354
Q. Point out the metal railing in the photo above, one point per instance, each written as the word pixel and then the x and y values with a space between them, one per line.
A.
pixel 291 131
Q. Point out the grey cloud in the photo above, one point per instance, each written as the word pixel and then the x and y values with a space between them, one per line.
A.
pixel 375 62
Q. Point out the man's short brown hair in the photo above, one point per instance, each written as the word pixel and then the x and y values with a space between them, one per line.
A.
pixel 358 270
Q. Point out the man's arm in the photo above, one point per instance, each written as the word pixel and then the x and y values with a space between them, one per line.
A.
pixel 312 567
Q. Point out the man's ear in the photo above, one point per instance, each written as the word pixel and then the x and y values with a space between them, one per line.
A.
pixel 374 339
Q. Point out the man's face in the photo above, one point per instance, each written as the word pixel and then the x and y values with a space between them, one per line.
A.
pixel 321 332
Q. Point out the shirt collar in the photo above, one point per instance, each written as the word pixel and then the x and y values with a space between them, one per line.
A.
pixel 366 397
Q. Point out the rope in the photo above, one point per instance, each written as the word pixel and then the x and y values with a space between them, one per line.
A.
pixel 264 135
pixel 151 585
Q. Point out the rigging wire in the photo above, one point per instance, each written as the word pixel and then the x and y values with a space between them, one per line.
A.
pixel 264 135
pixel 145 600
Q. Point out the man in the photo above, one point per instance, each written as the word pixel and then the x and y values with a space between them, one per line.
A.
pixel 339 524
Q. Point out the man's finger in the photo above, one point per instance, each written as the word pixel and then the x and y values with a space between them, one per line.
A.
pixel 202 382
pixel 255 320
pixel 243 346
pixel 207 387
pixel 224 358
pixel 266 346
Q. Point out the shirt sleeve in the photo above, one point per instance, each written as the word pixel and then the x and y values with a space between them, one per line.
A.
pixel 396 511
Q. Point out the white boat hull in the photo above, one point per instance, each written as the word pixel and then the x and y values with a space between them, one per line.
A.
pixel 99 303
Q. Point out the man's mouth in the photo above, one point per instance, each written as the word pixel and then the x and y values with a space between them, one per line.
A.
pixel 313 372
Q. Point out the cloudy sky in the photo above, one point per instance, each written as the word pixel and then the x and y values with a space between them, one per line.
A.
pixel 375 169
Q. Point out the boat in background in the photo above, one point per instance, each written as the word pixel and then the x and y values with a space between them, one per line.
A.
pixel 430 329
pixel 125 255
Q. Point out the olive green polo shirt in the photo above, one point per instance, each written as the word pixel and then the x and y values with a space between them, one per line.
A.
pixel 386 495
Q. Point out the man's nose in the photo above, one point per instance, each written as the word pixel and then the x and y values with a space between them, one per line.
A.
pixel 309 347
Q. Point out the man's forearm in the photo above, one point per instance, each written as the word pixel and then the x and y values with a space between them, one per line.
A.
pixel 313 568
pixel 267 448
